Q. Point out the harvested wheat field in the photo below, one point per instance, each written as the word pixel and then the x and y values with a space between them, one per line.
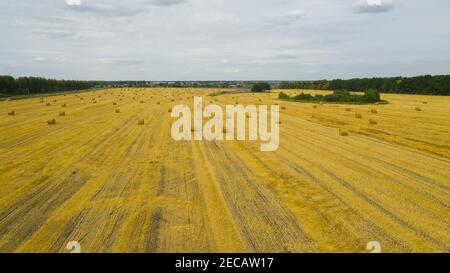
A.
pixel 108 175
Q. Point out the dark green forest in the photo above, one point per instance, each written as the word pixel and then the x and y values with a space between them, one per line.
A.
pixel 35 85
pixel 426 85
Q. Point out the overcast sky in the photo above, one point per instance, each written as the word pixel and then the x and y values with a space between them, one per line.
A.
pixel 223 39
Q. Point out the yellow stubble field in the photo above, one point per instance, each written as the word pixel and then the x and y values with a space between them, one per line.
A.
pixel 100 178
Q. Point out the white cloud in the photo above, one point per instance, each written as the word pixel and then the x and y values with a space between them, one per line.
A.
pixel 39 59
pixel 73 2
pixel 232 71
pixel 374 2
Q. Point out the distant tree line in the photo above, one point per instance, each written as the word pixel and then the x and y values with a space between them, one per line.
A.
pixel 430 85
pixel 426 85
pixel 35 85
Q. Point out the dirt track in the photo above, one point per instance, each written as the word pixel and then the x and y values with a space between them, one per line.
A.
pixel 99 178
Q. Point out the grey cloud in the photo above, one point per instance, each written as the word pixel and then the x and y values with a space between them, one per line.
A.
pixel 365 7
pixel 106 8
pixel 121 8
pixel 165 3
pixel 119 62
pixel 223 39
pixel 287 18
pixel 55 33
pixel 286 56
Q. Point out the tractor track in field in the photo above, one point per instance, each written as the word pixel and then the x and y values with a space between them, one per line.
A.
pixel 30 205
pixel 99 178
pixel 20 220
pixel 275 227
pixel 14 142
pixel 370 225
pixel 47 149
pixel 367 159
pixel 116 185
pixel 442 246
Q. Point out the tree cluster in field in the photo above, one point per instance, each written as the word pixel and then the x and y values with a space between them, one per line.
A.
pixel 261 87
pixel 427 85
pixel 35 85
pixel 343 96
